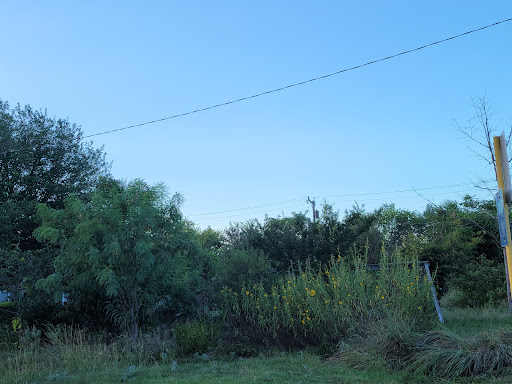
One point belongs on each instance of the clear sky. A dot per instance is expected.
(386, 127)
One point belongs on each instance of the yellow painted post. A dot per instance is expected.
(501, 185)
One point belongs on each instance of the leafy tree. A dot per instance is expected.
(42, 160)
(291, 240)
(128, 243)
(236, 268)
(396, 225)
(285, 240)
(455, 238)
(359, 232)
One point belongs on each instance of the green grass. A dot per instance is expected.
(470, 321)
(73, 357)
(295, 367)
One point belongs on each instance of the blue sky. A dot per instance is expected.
(386, 127)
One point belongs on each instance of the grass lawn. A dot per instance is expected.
(281, 368)
(467, 322)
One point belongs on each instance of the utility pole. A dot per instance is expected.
(312, 202)
(502, 168)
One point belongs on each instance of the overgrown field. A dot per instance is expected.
(67, 355)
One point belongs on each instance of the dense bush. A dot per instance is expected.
(319, 307)
(481, 283)
(239, 267)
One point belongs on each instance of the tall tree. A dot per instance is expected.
(127, 242)
(42, 160)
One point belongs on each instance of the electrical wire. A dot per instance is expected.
(253, 207)
(404, 190)
(249, 213)
(332, 201)
(299, 83)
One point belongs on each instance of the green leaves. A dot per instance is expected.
(108, 279)
(51, 285)
(122, 244)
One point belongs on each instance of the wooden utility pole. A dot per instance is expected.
(312, 202)
(501, 154)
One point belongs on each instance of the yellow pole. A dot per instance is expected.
(501, 185)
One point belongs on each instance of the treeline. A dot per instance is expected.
(123, 257)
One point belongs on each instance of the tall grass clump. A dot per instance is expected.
(440, 353)
(321, 306)
(448, 355)
(59, 352)
(196, 336)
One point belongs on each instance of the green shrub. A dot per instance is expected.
(319, 307)
(482, 283)
(239, 267)
(196, 336)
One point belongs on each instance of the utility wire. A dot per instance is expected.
(331, 196)
(300, 83)
(404, 190)
(244, 209)
(334, 201)
(301, 205)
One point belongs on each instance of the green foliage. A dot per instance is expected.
(196, 336)
(482, 282)
(319, 307)
(397, 224)
(42, 160)
(102, 363)
(457, 238)
(124, 244)
(289, 240)
(239, 267)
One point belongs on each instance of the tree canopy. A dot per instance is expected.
(125, 243)
(42, 160)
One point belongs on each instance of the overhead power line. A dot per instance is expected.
(404, 190)
(299, 83)
(334, 201)
(247, 208)
(236, 212)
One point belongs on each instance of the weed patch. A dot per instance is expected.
(320, 307)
